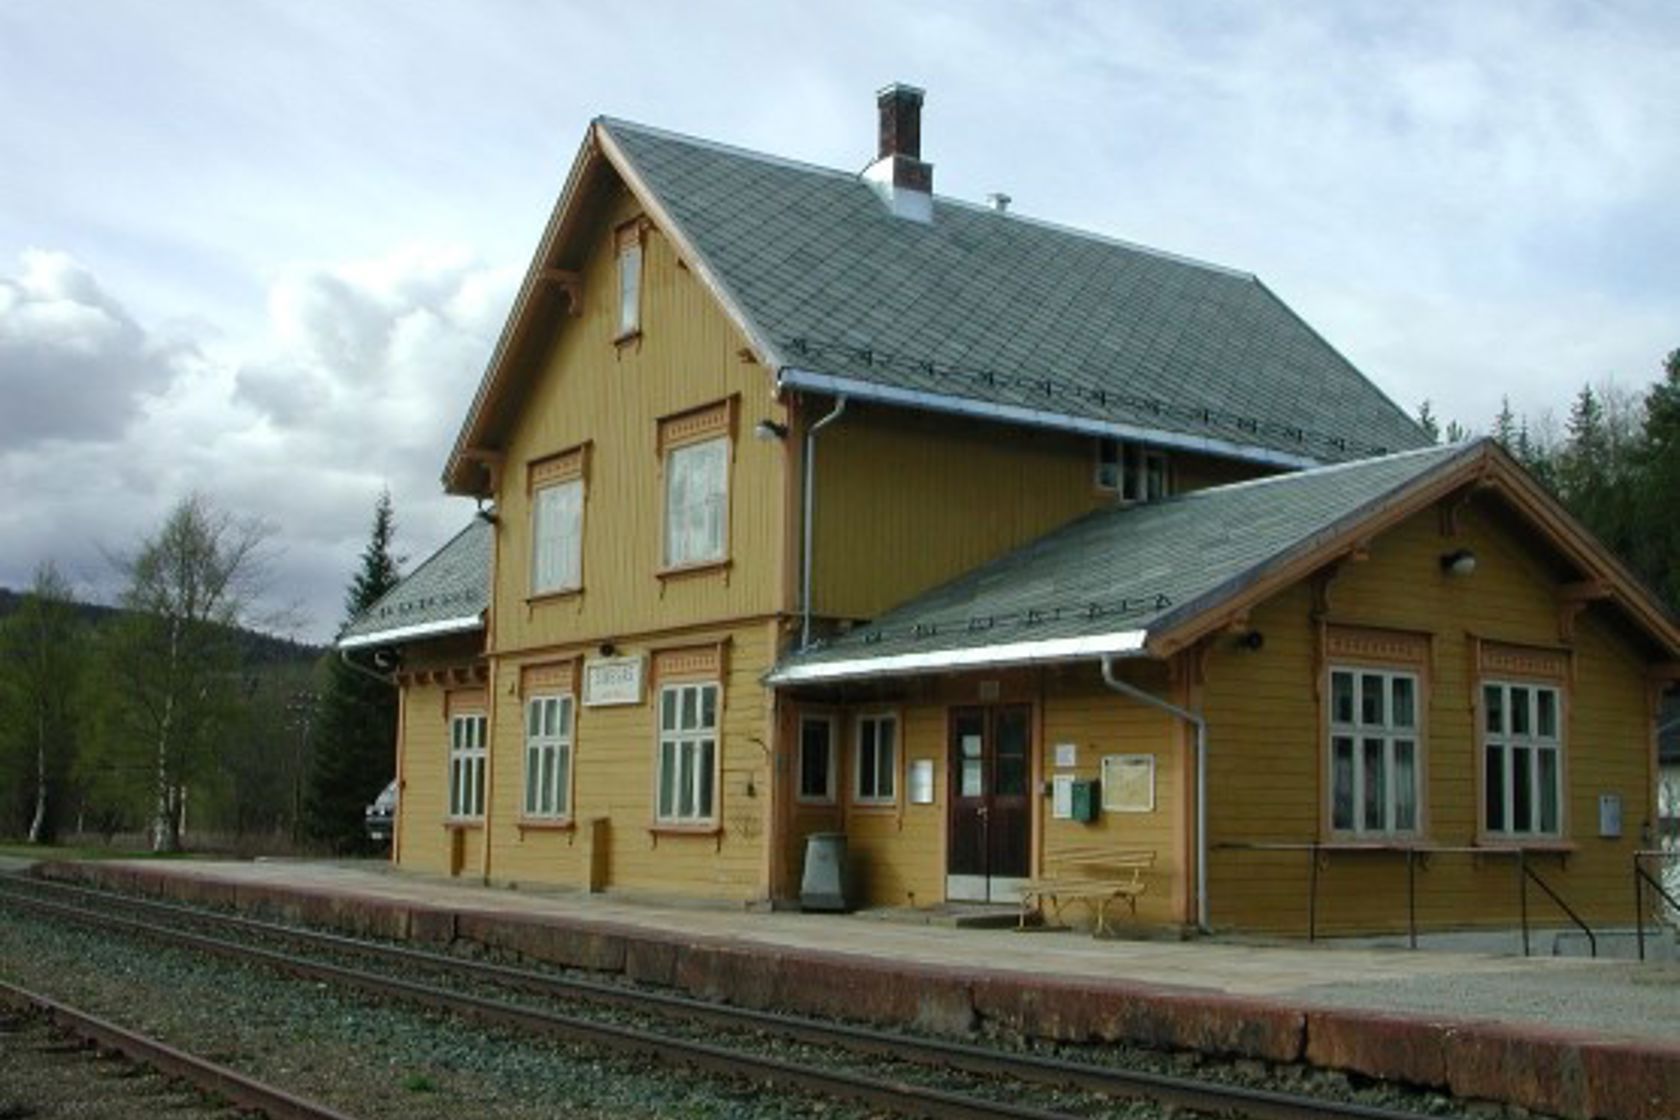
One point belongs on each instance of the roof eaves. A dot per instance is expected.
(1016, 414)
(1129, 643)
(435, 629)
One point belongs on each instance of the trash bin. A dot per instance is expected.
(826, 884)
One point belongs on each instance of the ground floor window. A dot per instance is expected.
(877, 760)
(1522, 759)
(466, 765)
(816, 759)
(548, 756)
(1374, 751)
(687, 752)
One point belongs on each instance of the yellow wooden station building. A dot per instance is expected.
(1028, 560)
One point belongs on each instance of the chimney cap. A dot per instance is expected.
(999, 201)
(900, 89)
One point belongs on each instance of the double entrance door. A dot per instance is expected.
(990, 819)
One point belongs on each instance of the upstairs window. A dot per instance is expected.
(1131, 471)
(628, 241)
(1522, 760)
(556, 487)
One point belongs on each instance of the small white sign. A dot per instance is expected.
(1061, 797)
(921, 781)
(1067, 754)
(612, 680)
(1610, 815)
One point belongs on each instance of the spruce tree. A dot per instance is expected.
(355, 733)
(1657, 462)
(1426, 420)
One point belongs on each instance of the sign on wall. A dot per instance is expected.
(612, 680)
(921, 781)
(1128, 783)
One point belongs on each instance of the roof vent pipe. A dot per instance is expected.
(1126, 688)
(999, 201)
(899, 174)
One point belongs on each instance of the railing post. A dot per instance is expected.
(1638, 907)
(1312, 893)
(1411, 898)
(1522, 894)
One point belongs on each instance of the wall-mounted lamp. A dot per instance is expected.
(485, 513)
(1459, 563)
(769, 429)
(1252, 641)
(608, 649)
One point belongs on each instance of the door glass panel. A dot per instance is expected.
(973, 778)
(814, 746)
(1010, 775)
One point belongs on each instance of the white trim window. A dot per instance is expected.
(629, 280)
(466, 765)
(1522, 759)
(697, 503)
(1133, 472)
(816, 759)
(557, 537)
(875, 771)
(548, 756)
(1375, 752)
(688, 720)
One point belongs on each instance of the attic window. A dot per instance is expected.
(628, 244)
(1131, 471)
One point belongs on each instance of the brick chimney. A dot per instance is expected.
(899, 176)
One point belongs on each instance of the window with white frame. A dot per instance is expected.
(1522, 759)
(875, 771)
(548, 756)
(1133, 472)
(1374, 752)
(557, 537)
(466, 765)
(816, 759)
(629, 280)
(688, 715)
(697, 503)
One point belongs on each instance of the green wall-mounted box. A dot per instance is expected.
(1085, 800)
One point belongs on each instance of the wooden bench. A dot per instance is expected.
(1094, 876)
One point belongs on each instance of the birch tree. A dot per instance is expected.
(41, 653)
(174, 660)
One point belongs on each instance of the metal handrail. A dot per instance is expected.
(1412, 851)
(1640, 878)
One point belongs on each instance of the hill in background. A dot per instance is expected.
(260, 649)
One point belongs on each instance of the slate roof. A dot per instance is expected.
(994, 308)
(447, 593)
(1118, 574)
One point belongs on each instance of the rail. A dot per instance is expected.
(1642, 879)
(1321, 850)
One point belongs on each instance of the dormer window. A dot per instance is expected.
(1130, 471)
(628, 241)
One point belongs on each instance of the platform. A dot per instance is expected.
(1567, 1036)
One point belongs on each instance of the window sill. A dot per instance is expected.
(671, 828)
(538, 597)
(699, 569)
(463, 824)
(874, 806)
(549, 824)
(817, 803)
(1518, 843)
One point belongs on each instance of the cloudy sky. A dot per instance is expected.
(262, 250)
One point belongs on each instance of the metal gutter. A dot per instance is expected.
(810, 472)
(418, 630)
(1196, 720)
(1015, 414)
(1122, 642)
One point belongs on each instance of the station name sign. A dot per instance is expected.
(612, 680)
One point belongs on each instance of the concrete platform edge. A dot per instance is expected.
(1566, 1073)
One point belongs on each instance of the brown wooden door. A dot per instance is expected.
(990, 817)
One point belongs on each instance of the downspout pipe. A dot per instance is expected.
(810, 470)
(1126, 688)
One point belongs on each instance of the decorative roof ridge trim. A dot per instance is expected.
(419, 630)
(791, 164)
(1017, 414)
(1129, 642)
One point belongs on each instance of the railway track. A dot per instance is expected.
(164, 921)
(220, 1082)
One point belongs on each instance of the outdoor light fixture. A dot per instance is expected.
(1459, 563)
(1252, 641)
(769, 429)
(608, 649)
